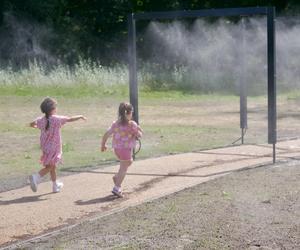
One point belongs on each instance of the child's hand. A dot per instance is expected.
(83, 118)
(33, 124)
(103, 148)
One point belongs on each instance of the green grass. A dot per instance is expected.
(103, 91)
(174, 121)
(81, 140)
(6, 126)
(74, 91)
(171, 139)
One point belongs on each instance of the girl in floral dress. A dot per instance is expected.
(50, 141)
(124, 132)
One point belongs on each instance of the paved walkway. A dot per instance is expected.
(24, 214)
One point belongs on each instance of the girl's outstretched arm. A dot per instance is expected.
(76, 118)
(33, 124)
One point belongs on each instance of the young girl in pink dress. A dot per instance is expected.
(50, 141)
(124, 132)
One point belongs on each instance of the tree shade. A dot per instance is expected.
(95, 28)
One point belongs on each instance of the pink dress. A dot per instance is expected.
(124, 136)
(50, 140)
(124, 139)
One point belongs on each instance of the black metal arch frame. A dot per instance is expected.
(268, 11)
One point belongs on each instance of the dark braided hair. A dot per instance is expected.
(46, 107)
(124, 109)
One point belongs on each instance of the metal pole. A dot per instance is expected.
(272, 126)
(243, 94)
(133, 86)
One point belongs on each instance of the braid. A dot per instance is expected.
(48, 121)
(122, 113)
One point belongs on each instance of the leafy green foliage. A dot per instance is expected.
(95, 28)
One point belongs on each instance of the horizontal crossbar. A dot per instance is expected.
(201, 13)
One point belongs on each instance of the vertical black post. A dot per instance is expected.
(243, 94)
(133, 87)
(272, 127)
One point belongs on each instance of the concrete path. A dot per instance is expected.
(24, 214)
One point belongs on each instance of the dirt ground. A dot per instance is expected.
(249, 209)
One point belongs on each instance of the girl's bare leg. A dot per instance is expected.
(53, 173)
(44, 171)
(119, 177)
(35, 179)
(57, 186)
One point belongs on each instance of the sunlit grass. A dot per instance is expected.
(92, 79)
(174, 121)
(84, 79)
(85, 72)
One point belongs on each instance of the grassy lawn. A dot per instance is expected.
(174, 122)
(167, 130)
